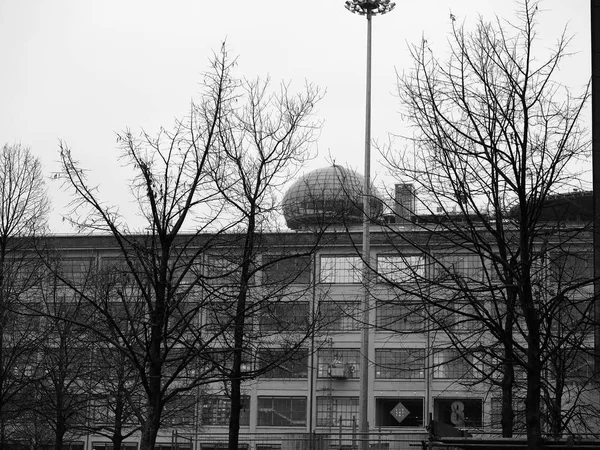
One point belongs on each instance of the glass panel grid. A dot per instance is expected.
(282, 411)
(399, 317)
(400, 268)
(350, 358)
(450, 364)
(468, 267)
(340, 316)
(216, 410)
(336, 411)
(405, 363)
(341, 269)
(284, 363)
(285, 316)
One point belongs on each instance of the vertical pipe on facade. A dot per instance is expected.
(311, 379)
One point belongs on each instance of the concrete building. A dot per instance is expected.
(416, 368)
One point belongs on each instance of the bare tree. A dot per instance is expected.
(23, 212)
(495, 136)
(116, 389)
(261, 146)
(170, 186)
(63, 375)
(201, 176)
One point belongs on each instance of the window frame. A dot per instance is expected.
(404, 268)
(340, 269)
(384, 370)
(296, 411)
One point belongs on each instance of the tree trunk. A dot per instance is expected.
(117, 436)
(240, 326)
(508, 377)
(533, 414)
(60, 432)
(151, 424)
(117, 440)
(150, 429)
(534, 370)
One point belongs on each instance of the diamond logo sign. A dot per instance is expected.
(400, 412)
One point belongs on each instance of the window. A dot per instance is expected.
(182, 319)
(105, 403)
(341, 269)
(400, 317)
(286, 269)
(222, 271)
(109, 446)
(467, 267)
(180, 446)
(216, 410)
(220, 361)
(282, 411)
(400, 268)
(65, 446)
(399, 412)
(115, 265)
(125, 315)
(572, 266)
(404, 363)
(282, 363)
(449, 363)
(180, 411)
(284, 316)
(581, 365)
(339, 316)
(459, 412)
(454, 317)
(222, 446)
(349, 359)
(221, 314)
(518, 409)
(337, 411)
(76, 270)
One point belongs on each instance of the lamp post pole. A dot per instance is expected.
(368, 8)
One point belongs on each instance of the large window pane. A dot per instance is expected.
(341, 269)
(404, 363)
(216, 410)
(282, 363)
(466, 267)
(282, 411)
(286, 269)
(459, 412)
(347, 359)
(399, 412)
(339, 316)
(284, 316)
(450, 363)
(335, 411)
(400, 268)
(399, 316)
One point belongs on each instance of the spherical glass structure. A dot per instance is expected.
(328, 196)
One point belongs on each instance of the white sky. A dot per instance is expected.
(81, 70)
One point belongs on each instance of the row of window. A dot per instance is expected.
(334, 411)
(398, 316)
(403, 363)
(277, 269)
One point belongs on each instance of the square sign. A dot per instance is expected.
(400, 412)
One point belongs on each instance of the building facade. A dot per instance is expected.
(427, 360)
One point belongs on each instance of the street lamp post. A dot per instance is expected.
(368, 8)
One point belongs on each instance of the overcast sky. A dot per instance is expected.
(81, 70)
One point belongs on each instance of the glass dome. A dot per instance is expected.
(327, 196)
